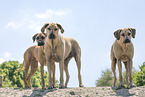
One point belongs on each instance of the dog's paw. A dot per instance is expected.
(43, 88)
(114, 88)
(50, 87)
(61, 87)
(132, 86)
(54, 86)
(81, 85)
(121, 87)
(28, 87)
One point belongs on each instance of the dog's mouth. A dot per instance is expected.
(40, 43)
(52, 36)
(126, 41)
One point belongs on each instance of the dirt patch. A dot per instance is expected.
(75, 92)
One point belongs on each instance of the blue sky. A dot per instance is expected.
(91, 23)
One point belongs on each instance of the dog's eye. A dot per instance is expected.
(48, 28)
(55, 29)
(42, 37)
(123, 34)
(128, 34)
(37, 38)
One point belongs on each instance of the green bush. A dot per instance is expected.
(139, 78)
(13, 78)
(106, 78)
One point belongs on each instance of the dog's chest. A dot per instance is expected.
(55, 57)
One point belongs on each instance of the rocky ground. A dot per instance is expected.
(74, 92)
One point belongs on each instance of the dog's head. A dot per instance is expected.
(40, 38)
(52, 30)
(124, 35)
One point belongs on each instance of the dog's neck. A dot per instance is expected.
(42, 47)
(124, 46)
(53, 43)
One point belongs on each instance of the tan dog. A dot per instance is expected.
(123, 50)
(60, 49)
(32, 56)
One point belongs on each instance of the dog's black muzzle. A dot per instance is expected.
(52, 35)
(127, 40)
(40, 43)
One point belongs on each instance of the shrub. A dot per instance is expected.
(12, 78)
(106, 78)
(139, 78)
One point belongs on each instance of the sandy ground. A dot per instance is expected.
(73, 92)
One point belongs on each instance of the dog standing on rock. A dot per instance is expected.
(60, 49)
(123, 50)
(32, 56)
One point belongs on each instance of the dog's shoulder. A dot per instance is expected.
(116, 43)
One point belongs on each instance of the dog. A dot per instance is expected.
(123, 50)
(32, 56)
(60, 49)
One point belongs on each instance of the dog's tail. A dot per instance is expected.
(21, 67)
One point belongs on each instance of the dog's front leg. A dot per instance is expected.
(61, 67)
(42, 76)
(127, 72)
(130, 74)
(120, 74)
(50, 72)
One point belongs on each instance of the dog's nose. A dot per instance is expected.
(40, 43)
(127, 40)
(52, 35)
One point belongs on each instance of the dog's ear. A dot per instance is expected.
(43, 28)
(34, 37)
(60, 27)
(117, 34)
(133, 31)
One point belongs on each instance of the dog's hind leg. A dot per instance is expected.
(34, 67)
(66, 61)
(78, 62)
(27, 65)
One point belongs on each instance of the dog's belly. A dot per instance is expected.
(124, 58)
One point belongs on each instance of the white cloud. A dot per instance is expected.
(13, 25)
(51, 13)
(17, 24)
(7, 54)
(2, 60)
(33, 20)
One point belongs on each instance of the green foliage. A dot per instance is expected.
(106, 78)
(139, 78)
(13, 78)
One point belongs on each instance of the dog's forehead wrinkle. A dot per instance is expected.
(52, 26)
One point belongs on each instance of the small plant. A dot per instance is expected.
(87, 96)
(103, 88)
(21, 89)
